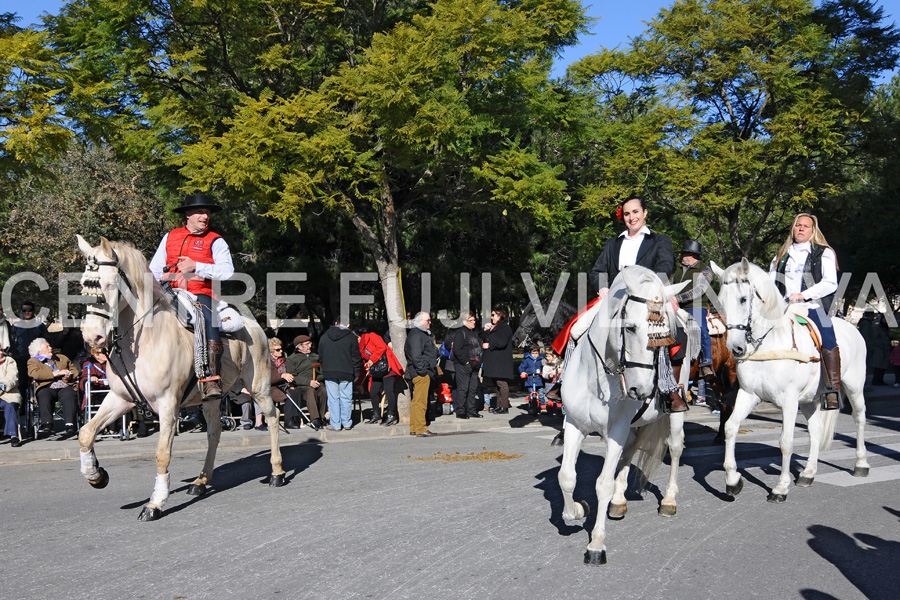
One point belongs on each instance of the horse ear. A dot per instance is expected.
(84, 246)
(631, 279)
(675, 288)
(106, 247)
(745, 266)
(716, 269)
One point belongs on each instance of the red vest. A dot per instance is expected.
(198, 247)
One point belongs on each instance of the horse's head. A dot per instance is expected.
(747, 296)
(645, 319)
(527, 323)
(100, 281)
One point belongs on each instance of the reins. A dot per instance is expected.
(747, 327)
(654, 315)
(115, 358)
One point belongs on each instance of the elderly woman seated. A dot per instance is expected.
(56, 380)
(10, 397)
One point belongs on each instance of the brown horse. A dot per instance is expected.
(725, 382)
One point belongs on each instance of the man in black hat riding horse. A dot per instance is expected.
(694, 300)
(190, 258)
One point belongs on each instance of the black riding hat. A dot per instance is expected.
(692, 247)
(198, 201)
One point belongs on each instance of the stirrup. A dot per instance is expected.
(210, 388)
(831, 399)
(667, 402)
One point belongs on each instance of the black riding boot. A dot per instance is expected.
(210, 386)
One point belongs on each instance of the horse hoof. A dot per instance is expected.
(776, 498)
(149, 514)
(102, 482)
(276, 480)
(196, 489)
(804, 481)
(667, 510)
(617, 511)
(558, 440)
(734, 490)
(595, 558)
(585, 507)
(861, 472)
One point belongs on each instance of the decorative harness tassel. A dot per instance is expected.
(659, 331)
(201, 358)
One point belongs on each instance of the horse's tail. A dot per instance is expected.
(651, 449)
(828, 421)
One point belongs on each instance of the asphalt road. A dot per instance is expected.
(404, 517)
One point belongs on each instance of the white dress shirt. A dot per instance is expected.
(630, 245)
(793, 273)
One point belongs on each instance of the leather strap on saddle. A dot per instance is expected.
(813, 334)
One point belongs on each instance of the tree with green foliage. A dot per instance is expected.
(32, 125)
(440, 113)
(733, 116)
(87, 192)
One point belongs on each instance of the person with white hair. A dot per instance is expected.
(421, 364)
(55, 379)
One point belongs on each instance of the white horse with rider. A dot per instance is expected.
(778, 361)
(613, 379)
(152, 364)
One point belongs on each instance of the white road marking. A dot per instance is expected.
(845, 479)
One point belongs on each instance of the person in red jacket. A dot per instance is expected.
(190, 258)
(372, 347)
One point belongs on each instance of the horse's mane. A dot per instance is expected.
(136, 267)
(772, 300)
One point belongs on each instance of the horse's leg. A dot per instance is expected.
(271, 413)
(211, 410)
(667, 507)
(618, 506)
(168, 413)
(854, 395)
(596, 549)
(743, 404)
(572, 511)
(814, 424)
(788, 420)
(112, 407)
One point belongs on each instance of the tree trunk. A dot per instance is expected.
(384, 249)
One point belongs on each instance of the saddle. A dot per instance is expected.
(801, 316)
(715, 324)
(186, 309)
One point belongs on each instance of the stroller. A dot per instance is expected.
(534, 401)
(445, 399)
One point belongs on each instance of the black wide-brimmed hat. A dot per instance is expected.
(692, 247)
(198, 201)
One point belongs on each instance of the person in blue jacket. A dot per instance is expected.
(530, 373)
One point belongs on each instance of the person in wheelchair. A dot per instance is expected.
(10, 398)
(94, 370)
(56, 379)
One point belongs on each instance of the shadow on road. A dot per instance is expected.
(867, 561)
(295, 459)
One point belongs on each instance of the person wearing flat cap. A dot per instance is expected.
(310, 385)
(190, 258)
(694, 300)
